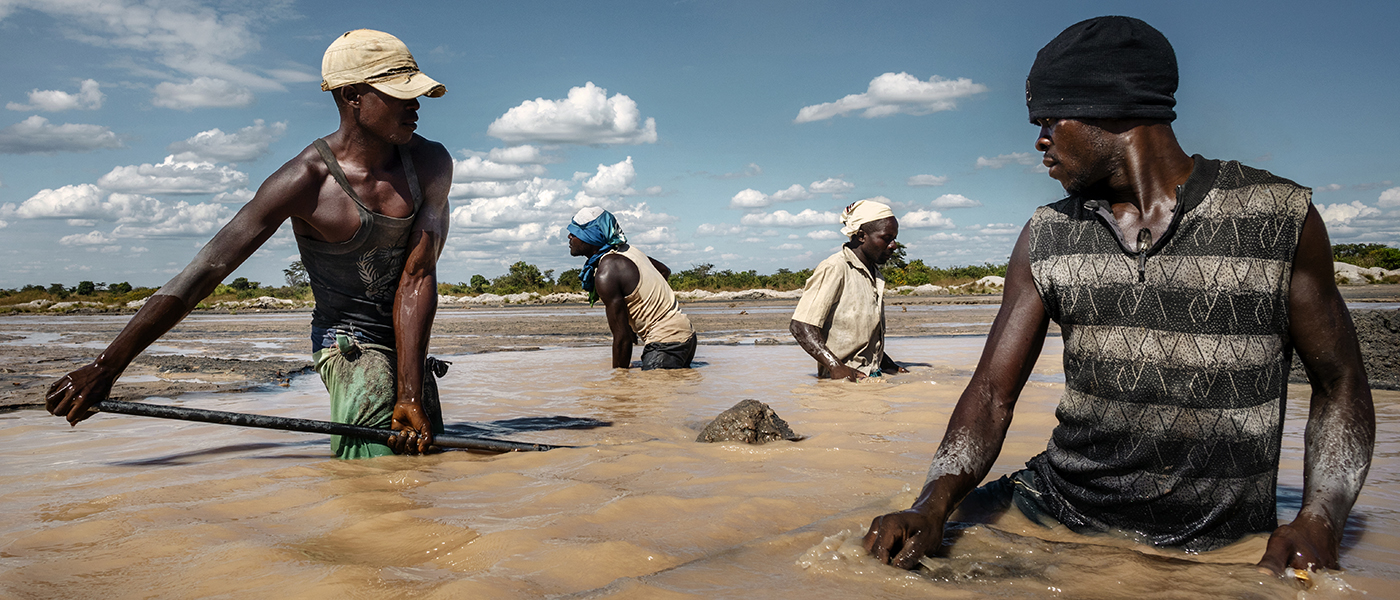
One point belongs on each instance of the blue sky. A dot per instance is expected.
(728, 133)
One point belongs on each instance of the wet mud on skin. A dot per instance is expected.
(121, 506)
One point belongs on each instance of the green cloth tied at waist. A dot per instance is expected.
(363, 386)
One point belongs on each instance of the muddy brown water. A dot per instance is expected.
(125, 507)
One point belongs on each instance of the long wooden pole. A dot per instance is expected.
(308, 426)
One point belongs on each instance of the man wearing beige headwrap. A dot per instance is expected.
(840, 319)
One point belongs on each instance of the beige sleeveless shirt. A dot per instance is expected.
(652, 308)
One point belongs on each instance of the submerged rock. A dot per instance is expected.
(750, 422)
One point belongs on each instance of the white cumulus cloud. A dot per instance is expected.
(831, 185)
(237, 196)
(36, 135)
(896, 93)
(1344, 214)
(1390, 198)
(173, 176)
(782, 218)
(516, 155)
(91, 238)
(719, 229)
(181, 219)
(954, 201)
(89, 97)
(539, 199)
(83, 201)
(1002, 160)
(925, 219)
(997, 229)
(202, 92)
(654, 235)
(825, 234)
(927, 180)
(214, 145)
(750, 198)
(587, 116)
(476, 168)
(612, 180)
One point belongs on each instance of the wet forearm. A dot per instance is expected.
(415, 305)
(970, 446)
(622, 350)
(157, 316)
(1339, 440)
(809, 337)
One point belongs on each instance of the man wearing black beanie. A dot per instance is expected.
(1182, 287)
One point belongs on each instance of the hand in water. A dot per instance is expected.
(900, 539)
(73, 394)
(415, 431)
(847, 373)
(1304, 545)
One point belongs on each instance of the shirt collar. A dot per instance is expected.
(856, 262)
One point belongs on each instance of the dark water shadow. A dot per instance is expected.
(523, 425)
(185, 458)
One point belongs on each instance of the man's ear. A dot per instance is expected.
(350, 94)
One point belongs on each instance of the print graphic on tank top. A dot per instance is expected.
(380, 269)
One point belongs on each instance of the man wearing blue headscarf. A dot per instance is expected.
(639, 303)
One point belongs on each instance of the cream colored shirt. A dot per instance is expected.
(847, 303)
(652, 308)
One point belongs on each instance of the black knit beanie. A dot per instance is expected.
(1105, 68)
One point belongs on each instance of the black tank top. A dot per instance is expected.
(354, 281)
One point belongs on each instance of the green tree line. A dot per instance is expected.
(525, 277)
(1367, 256)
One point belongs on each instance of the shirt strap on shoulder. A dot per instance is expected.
(336, 172)
(412, 175)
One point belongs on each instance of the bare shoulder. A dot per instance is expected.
(432, 156)
(297, 182)
(615, 260)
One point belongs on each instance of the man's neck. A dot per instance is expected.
(353, 144)
(864, 259)
(1151, 166)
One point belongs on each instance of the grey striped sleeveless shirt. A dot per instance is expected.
(1176, 360)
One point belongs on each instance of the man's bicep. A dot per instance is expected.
(1319, 322)
(1018, 333)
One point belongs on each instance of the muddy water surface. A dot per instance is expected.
(124, 507)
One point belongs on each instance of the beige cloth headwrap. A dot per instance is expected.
(861, 212)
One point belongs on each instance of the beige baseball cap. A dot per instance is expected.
(379, 59)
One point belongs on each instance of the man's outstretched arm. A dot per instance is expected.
(415, 302)
(1341, 427)
(276, 200)
(977, 426)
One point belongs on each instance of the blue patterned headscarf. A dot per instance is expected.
(598, 228)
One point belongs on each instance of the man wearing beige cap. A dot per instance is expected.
(368, 205)
(840, 319)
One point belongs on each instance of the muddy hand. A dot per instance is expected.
(1304, 545)
(415, 433)
(847, 373)
(900, 539)
(74, 394)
